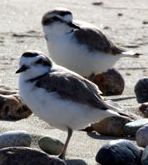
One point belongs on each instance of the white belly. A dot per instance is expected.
(58, 112)
(77, 58)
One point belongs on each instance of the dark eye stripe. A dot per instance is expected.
(43, 62)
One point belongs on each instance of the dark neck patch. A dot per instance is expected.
(36, 78)
(30, 54)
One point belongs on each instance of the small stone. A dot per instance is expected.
(26, 156)
(142, 136)
(145, 22)
(144, 159)
(110, 82)
(111, 126)
(141, 90)
(50, 145)
(120, 14)
(144, 109)
(119, 152)
(15, 138)
(98, 3)
(12, 108)
(132, 127)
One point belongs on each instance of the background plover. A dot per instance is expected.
(59, 96)
(79, 46)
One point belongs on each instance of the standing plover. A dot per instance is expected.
(79, 46)
(59, 96)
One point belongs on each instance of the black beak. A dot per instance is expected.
(22, 69)
(73, 25)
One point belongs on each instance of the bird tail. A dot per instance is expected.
(130, 54)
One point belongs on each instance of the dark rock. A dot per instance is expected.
(144, 159)
(51, 145)
(142, 136)
(141, 90)
(120, 14)
(98, 3)
(132, 127)
(15, 138)
(26, 156)
(12, 108)
(110, 82)
(112, 126)
(144, 109)
(119, 152)
(145, 22)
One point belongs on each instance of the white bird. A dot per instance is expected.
(79, 46)
(59, 96)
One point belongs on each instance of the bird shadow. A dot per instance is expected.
(75, 162)
(95, 135)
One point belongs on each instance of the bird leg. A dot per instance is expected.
(63, 152)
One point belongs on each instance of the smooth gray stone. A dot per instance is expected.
(144, 159)
(26, 156)
(50, 145)
(15, 138)
(141, 90)
(119, 152)
(132, 127)
(142, 136)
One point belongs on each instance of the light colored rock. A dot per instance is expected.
(132, 127)
(50, 145)
(112, 126)
(142, 136)
(26, 156)
(15, 138)
(12, 108)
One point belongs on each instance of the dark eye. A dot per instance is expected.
(43, 62)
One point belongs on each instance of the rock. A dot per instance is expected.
(98, 3)
(110, 82)
(144, 159)
(50, 145)
(15, 138)
(141, 90)
(119, 152)
(112, 126)
(6, 90)
(142, 136)
(132, 127)
(144, 109)
(26, 156)
(12, 108)
(145, 22)
(120, 14)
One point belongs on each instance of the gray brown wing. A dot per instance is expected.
(72, 87)
(95, 40)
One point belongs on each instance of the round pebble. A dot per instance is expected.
(142, 136)
(110, 82)
(26, 156)
(141, 90)
(15, 138)
(119, 152)
(144, 159)
(50, 145)
(132, 127)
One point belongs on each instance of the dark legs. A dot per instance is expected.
(62, 154)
